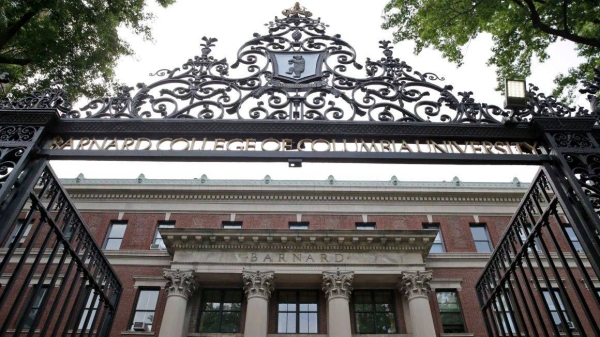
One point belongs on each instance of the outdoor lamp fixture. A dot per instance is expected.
(295, 162)
(516, 94)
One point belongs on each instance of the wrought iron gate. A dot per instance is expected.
(59, 283)
(540, 279)
(388, 113)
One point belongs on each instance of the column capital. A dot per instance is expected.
(338, 284)
(415, 283)
(258, 284)
(179, 282)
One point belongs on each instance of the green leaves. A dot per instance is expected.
(71, 42)
(521, 31)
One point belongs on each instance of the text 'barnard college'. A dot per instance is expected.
(307, 145)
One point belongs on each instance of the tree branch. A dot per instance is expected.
(17, 61)
(537, 23)
(13, 29)
(519, 3)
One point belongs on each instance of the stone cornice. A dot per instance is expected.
(248, 239)
(381, 196)
(329, 190)
(330, 181)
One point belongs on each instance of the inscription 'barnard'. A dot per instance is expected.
(296, 258)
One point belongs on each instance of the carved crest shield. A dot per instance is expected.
(296, 67)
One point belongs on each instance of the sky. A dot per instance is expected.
(177, 32)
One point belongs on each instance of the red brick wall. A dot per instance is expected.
(455, 233)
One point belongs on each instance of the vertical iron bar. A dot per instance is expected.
(529, 290)
(478, 291)
(573, 282)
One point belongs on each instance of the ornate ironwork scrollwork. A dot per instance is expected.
(9, 157)
(586, 168)
(325, 86)
(573, 140)
(17, 133)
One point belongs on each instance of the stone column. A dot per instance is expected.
(180, 285)
(258, 287)
(415, 285)
(338, 287)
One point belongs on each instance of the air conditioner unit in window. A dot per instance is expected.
(155, 246)
(570, 325)
(140, 326)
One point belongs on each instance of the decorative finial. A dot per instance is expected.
(296, 11)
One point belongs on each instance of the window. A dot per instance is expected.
(450, 313)
(297, 311)
(115, 236)
(573, 238)
(89, 310)
(145, 307)
(365, 226)
(524, 233)
(298, 224)
(37, 303)
(374, 311)
(220, 311)
(158, 240)
(68, 230)
(15, 232)
(438, 245)
(556, 311)
(504, 315)
(232, 224)
(481, 238)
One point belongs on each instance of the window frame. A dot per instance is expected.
(108, 233)
(45, 288)
(568, 228)
(562, 308)
(220, 311)
(135, 304)
(93, 308)
(436, 225)
(16, 229)
(536, 240)
(298, 311)
(461, 312)
(371, 224)
(304, 224)
(232, 224)
(499, 312)
(374, 311)
(157, 235)
(487, 233)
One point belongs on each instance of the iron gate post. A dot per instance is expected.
(576, 168)
(22, 133)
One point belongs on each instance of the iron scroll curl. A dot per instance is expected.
(388, 91)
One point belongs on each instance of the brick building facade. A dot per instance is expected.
(321, 258)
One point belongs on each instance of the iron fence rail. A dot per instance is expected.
(59, 281)
(537, 282)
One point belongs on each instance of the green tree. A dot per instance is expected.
(521, 30)
(71, 42)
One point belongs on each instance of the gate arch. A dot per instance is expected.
(298, 94)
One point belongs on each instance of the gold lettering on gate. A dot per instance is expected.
(358, 145)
